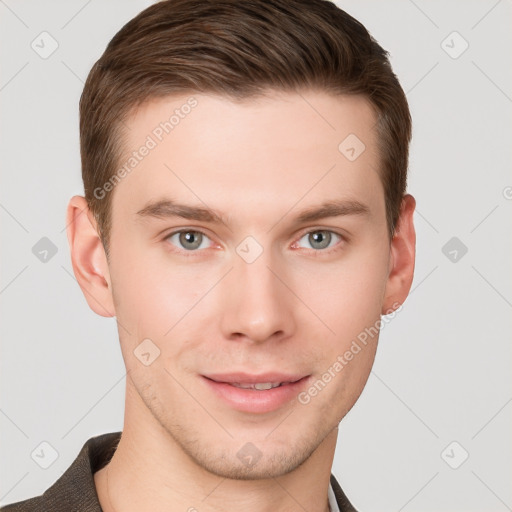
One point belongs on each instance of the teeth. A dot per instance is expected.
(261, 386)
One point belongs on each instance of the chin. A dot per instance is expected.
(245, 460)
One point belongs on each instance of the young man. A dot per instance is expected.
(246, 222)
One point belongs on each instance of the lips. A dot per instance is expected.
(260, 386)
(256, 393)
(244, 379)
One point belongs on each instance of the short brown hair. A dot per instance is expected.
(239, 49)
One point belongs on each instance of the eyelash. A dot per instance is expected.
(315, 252)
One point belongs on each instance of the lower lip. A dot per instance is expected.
(254, 400)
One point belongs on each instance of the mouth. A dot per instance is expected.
(256, 393)
(260, 386)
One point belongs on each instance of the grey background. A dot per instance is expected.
(443, 367)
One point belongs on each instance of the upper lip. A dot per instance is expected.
(247, 378)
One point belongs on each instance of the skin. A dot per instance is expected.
(295, 309)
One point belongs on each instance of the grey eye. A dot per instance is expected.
(189, 240)
(320, 239)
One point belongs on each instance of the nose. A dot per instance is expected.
(257, 304)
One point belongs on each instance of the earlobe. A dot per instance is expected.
(402, 258)
(88, 257)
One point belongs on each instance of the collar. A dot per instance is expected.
(75, 489)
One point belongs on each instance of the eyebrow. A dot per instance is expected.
(168, 208)
(333, 209)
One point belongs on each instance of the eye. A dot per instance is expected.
(189, 240)
(320, 239)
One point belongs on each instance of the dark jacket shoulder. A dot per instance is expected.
(75, 490)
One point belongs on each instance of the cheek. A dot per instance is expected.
(346, 295)
(150, 293)
(156, 306)
(160, 302)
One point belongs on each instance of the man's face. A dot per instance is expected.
(260, 292)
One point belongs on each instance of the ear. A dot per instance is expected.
(88, 257)
(402, 258)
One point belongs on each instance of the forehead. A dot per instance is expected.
(278, 149)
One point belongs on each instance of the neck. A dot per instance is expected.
(150, 471)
